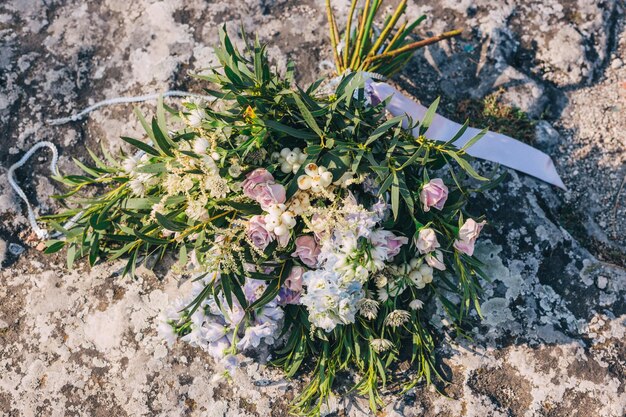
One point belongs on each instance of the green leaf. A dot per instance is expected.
(458, 134)
(383, 128)
(53, 246)
(161, 139)
(395, 196)
(90, 171)
(154, 168)
(428, 117)
(307, 116)
(144, 124)
(150, 239)
(290, 131)
(94, 250)
(141, 145)
(71, 256)
(474, 139)
(160, 112)
(466, 166)
(169, 224)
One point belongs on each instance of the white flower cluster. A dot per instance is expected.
(349, 256)
(279, 220)
(414, 273)
(197, 113)
(290, 160)
(316, 178)
(329, 300)
(139, 182)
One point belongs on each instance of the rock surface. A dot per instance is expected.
(553, 339)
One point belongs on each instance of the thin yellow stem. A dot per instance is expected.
(395, 37)
(333, 40)
(359, 38)
(346, 49)
(415, 45)
(394, 19)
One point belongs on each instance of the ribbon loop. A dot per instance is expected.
(493, 146)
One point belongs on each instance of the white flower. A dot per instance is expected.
(397, 318)
(130, 164)
(368, 308)
(279, 220)
(137, 186)
(234, 170)
(290, 160)
(141, 183)
(345, 180)
(200, 146)
(215, 332)
(196, 209)
(166, 331)
(316, 178)
(381, 345)
(254, 334)
(330, 301)
(196, 116)
(419, 273)
(299, 203)
(416, 304)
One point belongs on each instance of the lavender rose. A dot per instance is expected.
(257, 233)
(294, 280)
(435, 260)
(307, 250)
(260, 186)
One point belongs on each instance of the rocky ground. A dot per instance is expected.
(553, 341)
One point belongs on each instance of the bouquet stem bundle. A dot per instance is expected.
(364, 48)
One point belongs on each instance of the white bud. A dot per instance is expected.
(200, 145)
(326, 178)
(304, 182)
(281, 230)
(311, 169)
(286, 167)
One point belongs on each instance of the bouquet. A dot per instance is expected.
(311, 222)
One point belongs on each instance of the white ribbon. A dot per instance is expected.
(493, 146)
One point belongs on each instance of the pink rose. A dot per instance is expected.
(259, 185)
(257, 233)
(307, 250)
(388, 241)
(426, 240)
(434, 194)
(435, 260)
(294, 280)
(468, 233)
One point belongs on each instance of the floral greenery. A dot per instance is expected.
(303, 155)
